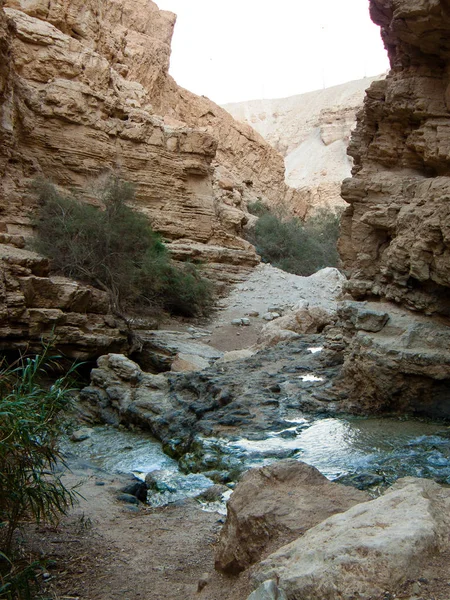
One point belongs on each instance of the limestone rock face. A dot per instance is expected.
(395, 234)
(367, 550)
(84, 80)
(274, 505)
(312, 132)
(394, 361)
(33, 304)
(253, 163)
(395, 243)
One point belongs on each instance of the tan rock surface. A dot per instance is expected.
(395, 242)
(276, 504)
(83, 103)
(395, 236)
(35, 307)
(371, 548)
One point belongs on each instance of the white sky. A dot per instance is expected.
(232, 50)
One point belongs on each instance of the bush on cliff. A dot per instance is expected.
(30, 425)
(295, 246)
(113, 247)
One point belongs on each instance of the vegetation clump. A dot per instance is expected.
(114, 247)
(299, 247)
(30, 426)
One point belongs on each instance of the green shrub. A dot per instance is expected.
(295, 246)
(113, 247)
(30, 425)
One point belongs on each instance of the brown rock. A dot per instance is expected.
(35, 308)
(395, 235)
(271, 506)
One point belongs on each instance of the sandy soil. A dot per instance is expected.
(108, 550)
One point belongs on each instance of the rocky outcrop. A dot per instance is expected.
(254, 394)
(274, 505)
(395, 242)
(312, 132)
(395, 235)
(249, 168)
(36, 307)
(90, 81)
(395, 361)
(368, 551)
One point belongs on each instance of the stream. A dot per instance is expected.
(369, 453)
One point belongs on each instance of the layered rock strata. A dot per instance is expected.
(36, 308)
(91, 79)
(80, 85)
(395, 241)
(395, 236)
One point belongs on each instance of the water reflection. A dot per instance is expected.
(353, 445)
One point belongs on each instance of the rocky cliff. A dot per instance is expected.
(395, 238)
(84, 88)
(312, 132)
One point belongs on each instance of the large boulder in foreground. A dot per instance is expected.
(368, 550)
(274, 505)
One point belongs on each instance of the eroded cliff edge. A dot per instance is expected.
(84, 87)
(395, 238)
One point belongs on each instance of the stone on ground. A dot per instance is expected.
(276, 504)
(371, 548)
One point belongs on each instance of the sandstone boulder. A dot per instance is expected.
(273, 505)
(366, 551)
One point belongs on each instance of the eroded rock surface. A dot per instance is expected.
(34, 304)
(251, 395)
(274, 505)
(394, 361)
(395, 236)
(366, 551)
(395, 242)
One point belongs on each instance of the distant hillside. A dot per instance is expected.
(312, 132)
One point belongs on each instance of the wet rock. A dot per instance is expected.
(127, 498)
(80, 435)
(274, 505)
(268, 591)
(367, 550)
(230, 398)
(136, 488)
(213, 494)
(362, 481)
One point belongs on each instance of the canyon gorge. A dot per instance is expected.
(85, 90)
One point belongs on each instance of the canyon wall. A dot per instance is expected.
(84, 89)
(396, 232)
(312, 132)
(395, 237)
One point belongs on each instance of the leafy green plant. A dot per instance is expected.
(30, 425)
(113, 247)
(295, 246)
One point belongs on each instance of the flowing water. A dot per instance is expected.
(361, 451)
